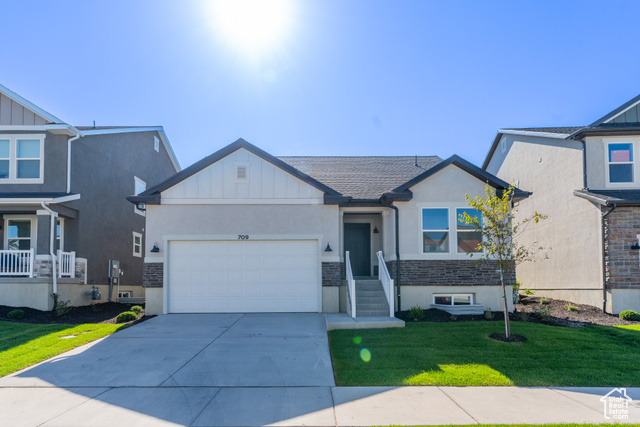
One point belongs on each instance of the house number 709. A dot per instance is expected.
(243, 237)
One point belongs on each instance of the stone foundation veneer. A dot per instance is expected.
(448, 273)
(331, 274)
(152, 274)
(622, 264)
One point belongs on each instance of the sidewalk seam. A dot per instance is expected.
(77, 406)
(204, 407)
(571, 398)
(458, 405)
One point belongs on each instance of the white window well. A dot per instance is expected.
(21, 159)
(137, 244)
(453, 299)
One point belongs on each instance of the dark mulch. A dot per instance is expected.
(512, 337)
(559, 314)
(99, 313)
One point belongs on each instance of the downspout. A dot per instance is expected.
(584, 163)
(52, 246)
(604, 263)
(69, 141)
(397, 244)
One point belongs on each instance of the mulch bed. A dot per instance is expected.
(559, 314)
(99, 313)
(512, 337)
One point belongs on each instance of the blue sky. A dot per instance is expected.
(350, 77)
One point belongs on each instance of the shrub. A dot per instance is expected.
(626, 315)
(528, 291)
(416, 313)
(524, 315)
(15, 314)
(62, 307)
(136, 309)
(488, 314)
(544, 300)
(126, 317)
(543, 313)
(573, 307)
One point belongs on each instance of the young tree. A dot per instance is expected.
(499, 235)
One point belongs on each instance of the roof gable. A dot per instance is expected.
(17, 111)
(628, 113)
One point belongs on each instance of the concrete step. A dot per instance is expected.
(371, 300)
(372, 307)
(368, 293)
(372, 313)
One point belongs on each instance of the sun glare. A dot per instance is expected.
(253, 26)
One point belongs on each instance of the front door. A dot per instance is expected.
(357, 240)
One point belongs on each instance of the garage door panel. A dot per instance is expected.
(243, 276)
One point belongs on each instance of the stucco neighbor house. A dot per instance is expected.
(63, 195)
(587, 180)
(244, 231)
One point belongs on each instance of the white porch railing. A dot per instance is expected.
(387, 282)
(351, 284)
(66, 264)
(16, 263)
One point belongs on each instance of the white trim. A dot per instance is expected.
(166, 201)
(61, 220)
(35, 201)
(33, 238)
(159, 129)
(621, 112)
(13, 158)
(170, 237)
(433, 298)
(635, 151)
(137, 254)
(29, 105)
(533, 133)
(137, 181)
(422, 230)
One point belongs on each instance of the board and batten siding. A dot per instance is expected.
(14, 114)
(264, 181)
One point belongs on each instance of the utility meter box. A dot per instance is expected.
(114, 269)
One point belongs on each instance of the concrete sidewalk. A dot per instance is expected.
(308, 406)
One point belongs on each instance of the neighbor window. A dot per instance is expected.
(21, 158)
(453, 299)
(468, 238)
(620, 159)
(137, 244)
(435, 230)
(18, 234)
(139, 187)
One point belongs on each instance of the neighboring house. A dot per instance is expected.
(244, 231)
(587, 180)
(79, 176)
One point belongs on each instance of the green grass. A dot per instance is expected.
(462, 354)
(24, 344)
(526, 425)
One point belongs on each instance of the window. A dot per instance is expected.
(620, 159)
(242, 172)
(503, 145)
(139, 187)
(137, 244)
(18, 232)
(453, 299)
(124, 294)
(468, 238)
(435, 230)
(156, 144)
(60, 234)
(21, 158)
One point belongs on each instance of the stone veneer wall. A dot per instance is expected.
(152, 274)
(331, 274)
(622, 264)
(448, 273)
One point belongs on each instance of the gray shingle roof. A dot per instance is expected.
(109, 127)
(611, 197)
(559, 130)
(362, 177)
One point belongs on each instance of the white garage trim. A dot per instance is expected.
(237, 238)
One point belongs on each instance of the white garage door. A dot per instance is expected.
(244, 276)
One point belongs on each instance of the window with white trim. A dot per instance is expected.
(453, 299)
(137, 244)
(60, 234)
(20, 232)
(124, 294)
(620, 162)
(435, 230)
(22, 159)
(156, 144)
(139, 187)
(469, 239)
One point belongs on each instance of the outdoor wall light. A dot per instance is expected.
(155, 249)
(375, 230)
(635, 246)
(328, 248)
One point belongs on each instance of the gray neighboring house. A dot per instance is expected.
(80, 177)
(587, 180)
(244, 231)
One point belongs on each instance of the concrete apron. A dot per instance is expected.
(258, 369)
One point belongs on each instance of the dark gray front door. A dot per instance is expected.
(357, 240)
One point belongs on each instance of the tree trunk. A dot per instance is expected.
(507, 326)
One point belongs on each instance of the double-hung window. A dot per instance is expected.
(469, 240)
(19, 232)
(21, 159)
(435, 230)
(620, 163)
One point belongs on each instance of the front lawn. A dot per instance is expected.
(462, 354)
(24, 344)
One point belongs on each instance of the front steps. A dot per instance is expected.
(371, 300)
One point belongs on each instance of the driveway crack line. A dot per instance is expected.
(205, 406)
(203, 349)
(458, 405)
(333, 404)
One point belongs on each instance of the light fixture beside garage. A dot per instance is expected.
(155, 249)
(328, 248)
